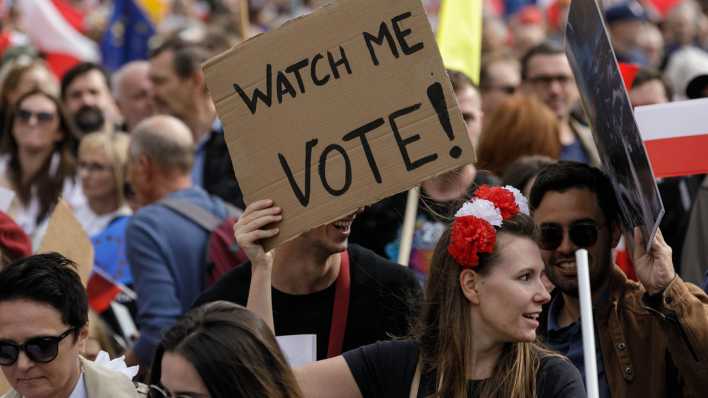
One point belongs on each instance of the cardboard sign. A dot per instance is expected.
(66, 236)
(675, 149)
(610, 115)
(338, 109)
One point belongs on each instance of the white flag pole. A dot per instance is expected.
(586, 321)
(404, 249)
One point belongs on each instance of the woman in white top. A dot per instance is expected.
(38, 162)
(102, 166)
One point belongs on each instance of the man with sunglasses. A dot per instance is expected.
(652, 336)
(43, 328)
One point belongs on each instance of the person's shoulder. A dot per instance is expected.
(558, 377)
(232, 286)
(397, 351)
(367, 265)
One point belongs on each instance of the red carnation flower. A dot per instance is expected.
(469, 237)
(502, 198)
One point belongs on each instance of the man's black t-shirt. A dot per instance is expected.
(386, 369)
(384, 298)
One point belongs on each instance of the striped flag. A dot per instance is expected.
(53, 26)
(675, 136)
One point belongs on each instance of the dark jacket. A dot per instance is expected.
(219, 178)
(652, 346)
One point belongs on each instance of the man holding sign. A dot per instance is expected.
(653, 336)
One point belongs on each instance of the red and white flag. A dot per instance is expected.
(53, 27)
(675, 136)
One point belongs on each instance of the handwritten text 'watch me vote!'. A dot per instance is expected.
(307, 74)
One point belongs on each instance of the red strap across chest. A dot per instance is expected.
(340, 309)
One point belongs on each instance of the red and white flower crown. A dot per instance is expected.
(473, 230)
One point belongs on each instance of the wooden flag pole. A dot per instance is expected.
(245, 20)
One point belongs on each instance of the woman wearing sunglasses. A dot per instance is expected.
(38, 161)
(43, 327)
(476, 334)
(221, 350)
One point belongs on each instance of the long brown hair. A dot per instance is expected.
(49, 185)
(444, 329)
(521, 126)
(233, 350)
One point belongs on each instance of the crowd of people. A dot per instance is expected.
(487, 305)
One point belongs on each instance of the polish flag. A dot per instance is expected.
(102, 290)
(54, 27)
(675, 136)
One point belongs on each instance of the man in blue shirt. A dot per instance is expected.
(166, 251)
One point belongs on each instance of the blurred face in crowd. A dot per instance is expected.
(625, 34)
(503, 80)
(89, 102)
(649, 93)
(36, 124)
(172, 93)
(576, 210)
(470, 106)
(515, 284)
(96, 171)
(22, 320)
(651, 43)
(136, 95)
(551, 80)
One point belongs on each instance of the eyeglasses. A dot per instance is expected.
(40, 349)
(546, 80)
(158, 392)
(93, 167)
(582, 233)
(24, 116)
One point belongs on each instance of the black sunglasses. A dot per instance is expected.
(583, 234)
(42, 117)
(40, 349)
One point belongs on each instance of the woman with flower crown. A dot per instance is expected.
(476, 335)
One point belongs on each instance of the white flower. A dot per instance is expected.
(116, 365)
(520, 199)
(481, 208)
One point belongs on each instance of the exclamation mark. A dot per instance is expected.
(437, 98)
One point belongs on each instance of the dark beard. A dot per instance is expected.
(89, 119)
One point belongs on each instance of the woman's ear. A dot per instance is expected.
(469, 283)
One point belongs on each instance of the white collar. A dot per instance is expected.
(80, 388)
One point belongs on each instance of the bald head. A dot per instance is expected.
(166, 141)
(133, 93)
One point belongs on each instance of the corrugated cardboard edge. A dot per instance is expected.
(66, 236)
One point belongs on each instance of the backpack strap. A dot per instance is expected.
(196, 214)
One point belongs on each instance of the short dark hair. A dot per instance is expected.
(188, 56)
(547, 47)
(564, 175)
(645, 75)
(80, 70)
(49, 279)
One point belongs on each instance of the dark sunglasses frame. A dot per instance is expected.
(582, 234)
(50, 342)
(42, 117)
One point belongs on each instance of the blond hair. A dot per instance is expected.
(115, 147)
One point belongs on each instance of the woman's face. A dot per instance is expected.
(511, 295)
(36, 124)
(179, 378)
(96, 172)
